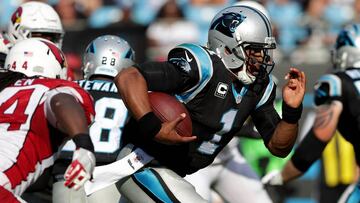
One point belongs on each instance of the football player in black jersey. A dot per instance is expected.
(220, 86)
(104, 57)
(337, 100)
(230, 170)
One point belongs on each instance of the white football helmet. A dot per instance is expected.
(107, 55)
(36, 57)
(5, 46)
(236, 29)
(347, 48)
(36, 19)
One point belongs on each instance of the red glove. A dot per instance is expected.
(81, 168)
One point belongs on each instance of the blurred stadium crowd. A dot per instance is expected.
(305, 31)
(301, 26)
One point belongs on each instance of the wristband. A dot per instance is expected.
(83, 140)
(149, 125)
(291, 115)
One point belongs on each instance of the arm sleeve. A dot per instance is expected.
(266, 118)
(249, 130)
(308, 151)
(327, 89)
(176, 75)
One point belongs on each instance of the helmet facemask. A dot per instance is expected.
(249, 61)
(258, 58)
(57, 38)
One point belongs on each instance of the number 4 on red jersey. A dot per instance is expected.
(13, 109)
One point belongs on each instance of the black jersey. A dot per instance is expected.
(344, 87)
(106, 129)
(218, 106)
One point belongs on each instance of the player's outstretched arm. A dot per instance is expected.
(311, 147)
(71, 119)
(285, 134)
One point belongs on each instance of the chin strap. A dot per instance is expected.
(273, 178)
(244, 76)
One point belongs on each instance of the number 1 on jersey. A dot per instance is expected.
(209, 147)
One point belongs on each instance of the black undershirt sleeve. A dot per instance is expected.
(309, 150)
(266, 118)
(163, 76)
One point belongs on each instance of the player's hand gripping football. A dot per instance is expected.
(81, 168)
(293, 92)
(168, 135)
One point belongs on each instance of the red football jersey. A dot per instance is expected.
(28, 140)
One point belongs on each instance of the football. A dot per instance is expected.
(167, 108)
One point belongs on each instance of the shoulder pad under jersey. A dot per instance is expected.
(327, 88)
(267, 93)
(195, 61)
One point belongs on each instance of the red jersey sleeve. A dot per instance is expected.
(81, 95)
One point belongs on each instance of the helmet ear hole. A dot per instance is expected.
(227, 50)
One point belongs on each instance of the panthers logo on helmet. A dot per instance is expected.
(130, 54)
(344, 39)
(16, 17)
(227, 23)
(91, 49)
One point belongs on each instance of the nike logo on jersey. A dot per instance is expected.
(188, 59)
(181, 63)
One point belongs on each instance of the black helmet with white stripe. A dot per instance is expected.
(236, 32)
